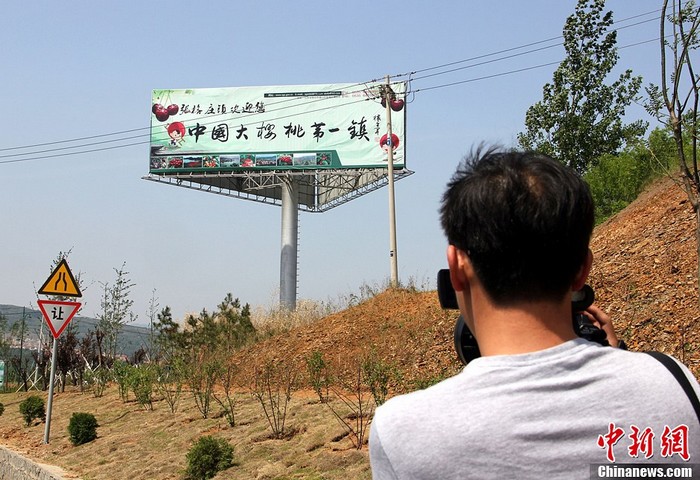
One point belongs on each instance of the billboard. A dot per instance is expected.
(301, 127)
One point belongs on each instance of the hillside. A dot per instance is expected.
(644, 274)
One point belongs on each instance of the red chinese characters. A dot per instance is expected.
(673, 441)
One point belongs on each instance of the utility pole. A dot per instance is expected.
(22, 373)
(393, 253)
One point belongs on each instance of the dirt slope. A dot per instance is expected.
(644, 274)
(405, 328)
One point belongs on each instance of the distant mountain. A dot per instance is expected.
(131, 338)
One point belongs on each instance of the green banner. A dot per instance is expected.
(277, 127)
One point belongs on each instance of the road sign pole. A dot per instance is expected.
(54, 356)
(57, 314)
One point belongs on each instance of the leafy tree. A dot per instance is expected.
(168, 339)
(319, 374)
(122, 373)
(168, 349)
(618, 179)
(579, 118)
(201, 363)
(206, 340)
(169, 380)
(143, 378)
(116, 310)
(234, 322)
(675, 102)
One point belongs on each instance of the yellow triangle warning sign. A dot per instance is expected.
(61, 282)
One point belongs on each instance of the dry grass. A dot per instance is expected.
(644, 275)
(276, 320)
(137, 444)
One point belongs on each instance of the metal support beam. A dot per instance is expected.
(288, 255)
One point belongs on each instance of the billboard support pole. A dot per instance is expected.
(288, 255)
(393, 253)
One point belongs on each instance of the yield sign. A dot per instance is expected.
(58, 314)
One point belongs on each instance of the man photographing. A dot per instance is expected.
(540, 402)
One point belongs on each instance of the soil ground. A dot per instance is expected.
(644, 275)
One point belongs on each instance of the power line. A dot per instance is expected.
(11, 158)
(520, 47)
(510, 72)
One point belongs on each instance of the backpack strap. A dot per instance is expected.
(677, 372)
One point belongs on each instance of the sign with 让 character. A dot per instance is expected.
(58, 314)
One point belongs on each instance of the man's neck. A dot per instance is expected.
(522, 328)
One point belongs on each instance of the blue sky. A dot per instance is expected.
(84, 68)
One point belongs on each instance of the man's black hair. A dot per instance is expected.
(524, 219)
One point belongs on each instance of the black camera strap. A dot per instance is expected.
(677, 372)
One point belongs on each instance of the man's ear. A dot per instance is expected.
(582, 275)
(456, 260)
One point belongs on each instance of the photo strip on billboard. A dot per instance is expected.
(334, 126)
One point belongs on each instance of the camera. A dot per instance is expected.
(465, 344)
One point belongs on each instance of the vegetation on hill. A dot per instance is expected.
(643, 275)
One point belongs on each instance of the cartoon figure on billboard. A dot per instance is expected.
(384, 142)
(176, 132)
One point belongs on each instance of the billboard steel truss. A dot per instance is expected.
(319, 190)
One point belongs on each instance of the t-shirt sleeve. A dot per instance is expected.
(379, 461)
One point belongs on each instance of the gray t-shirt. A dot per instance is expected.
(548, 414)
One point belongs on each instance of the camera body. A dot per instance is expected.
(465, 343)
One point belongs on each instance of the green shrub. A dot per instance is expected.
(377, 375)
(97, 380)
(32, 408)
(2, 408)
(319, 374)
(207, 457)
(142, 378)
(122, 372)
(82, 428)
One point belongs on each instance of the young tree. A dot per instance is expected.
(152, 317)
(208, 339)
(116, 310)
(234, 323)
(68, 355)
(89, 356)
(20, 364)
(579, 118)
(5, 338)
(169, 341)
(675, 102)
